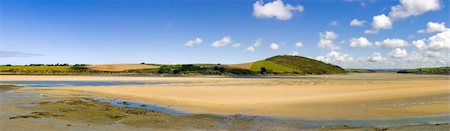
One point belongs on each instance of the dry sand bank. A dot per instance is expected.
(339, 96)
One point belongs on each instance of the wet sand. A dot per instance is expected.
(353, 96)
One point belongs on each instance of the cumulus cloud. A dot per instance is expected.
(440, 41)
(334, 56)
(299, 44)
(434, 27)
(436, 43)
(398, 53)
(356, 22)
(408, 8)
(360, 42)
(379, 22)
(376, 57)
(392, 43)
(405, 9)
(236, 45)
(196, 41)
(276, 9)
(327, 40)
(403, 59)
(274, 46)
(419, 44)
(223, 42)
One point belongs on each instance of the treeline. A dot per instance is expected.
(203, 70)
(436, 70)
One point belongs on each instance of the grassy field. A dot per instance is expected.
(41, 69)
(256, 66)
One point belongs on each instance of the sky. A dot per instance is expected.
(373, 34)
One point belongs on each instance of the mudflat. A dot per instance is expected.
(351, 96)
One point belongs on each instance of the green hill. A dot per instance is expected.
(296, 65)
(435, 70)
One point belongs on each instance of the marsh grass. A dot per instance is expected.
(103, 113)
(9, 87)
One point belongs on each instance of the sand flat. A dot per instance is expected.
(407, 96)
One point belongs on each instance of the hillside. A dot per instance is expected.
(435, 70)
(274, 65)
(296, 65)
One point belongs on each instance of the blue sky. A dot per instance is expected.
(104, 31)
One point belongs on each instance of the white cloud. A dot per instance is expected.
(392, 43)
(436, 43)
(326, 40)
(274, 46)
(250, 49)
(356, 22)
(408, 8)
(299, 44)
(223, 42)
(419, 44)
(376, 57)
(334, 23)
(295, 53)
(193, 42)
(379, 22)
(236, 45)
(440, 41)
(276, 9)
(360, 42)
(398, 53)
(334, 56)
(405, 9)
(435, 27)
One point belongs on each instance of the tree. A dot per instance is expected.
(263, 70)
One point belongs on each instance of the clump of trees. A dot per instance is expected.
(204, 70)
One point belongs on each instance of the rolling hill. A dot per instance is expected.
(296, 65)
(282, 64)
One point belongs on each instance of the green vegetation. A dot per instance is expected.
(436, 70)
(103, 113)
(360, 71)
(295, 65)
(43, 69)
(274, 65)
(9, 87)
(203, 70)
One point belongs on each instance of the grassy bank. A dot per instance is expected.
(436, 70)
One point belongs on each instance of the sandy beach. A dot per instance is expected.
(352, 96)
